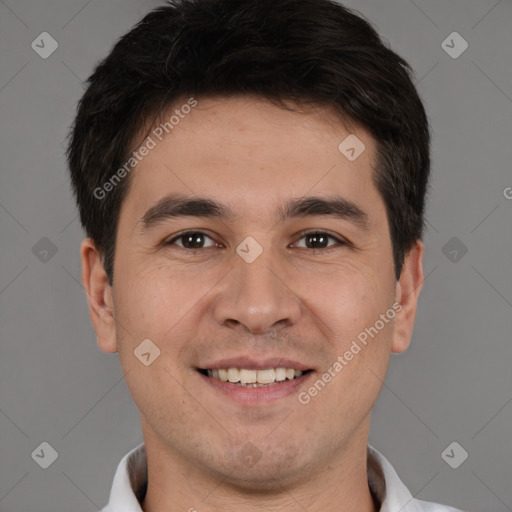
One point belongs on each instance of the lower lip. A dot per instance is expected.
(257, 395)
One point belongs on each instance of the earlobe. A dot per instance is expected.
(99, 296)
(408, 288)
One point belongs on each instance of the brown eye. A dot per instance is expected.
(191, 240)
(319, 240)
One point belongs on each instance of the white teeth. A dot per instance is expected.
(254, 378)
(248, 376)
(280, 374)
(266, 376)
(233, 375)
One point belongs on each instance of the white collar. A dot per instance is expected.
(130, 482)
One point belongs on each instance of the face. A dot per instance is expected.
(292, 274)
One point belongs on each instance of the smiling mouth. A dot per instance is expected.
(253, 378)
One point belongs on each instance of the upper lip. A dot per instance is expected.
(250, 363)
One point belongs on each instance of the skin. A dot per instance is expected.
(306, 303)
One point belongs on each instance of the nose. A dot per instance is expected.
(257, 296)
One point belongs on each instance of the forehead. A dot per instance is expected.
(245, 152)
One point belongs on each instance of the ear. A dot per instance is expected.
(408, 288)
(99, 296)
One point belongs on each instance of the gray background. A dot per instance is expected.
(453, 384)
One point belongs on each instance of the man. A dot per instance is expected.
(251, 177)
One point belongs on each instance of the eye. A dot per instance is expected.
(320, 239)
(191, 240)
(195, 240)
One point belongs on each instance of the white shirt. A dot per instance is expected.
(130, 482)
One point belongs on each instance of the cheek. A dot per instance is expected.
(348, 298)
(360, 344)
(153, 300)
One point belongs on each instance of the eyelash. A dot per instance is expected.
(339, 242)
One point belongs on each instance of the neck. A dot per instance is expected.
(340, 484)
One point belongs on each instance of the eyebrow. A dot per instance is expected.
(178, 205)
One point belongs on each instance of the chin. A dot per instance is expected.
(264, 470)
(262, 480)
